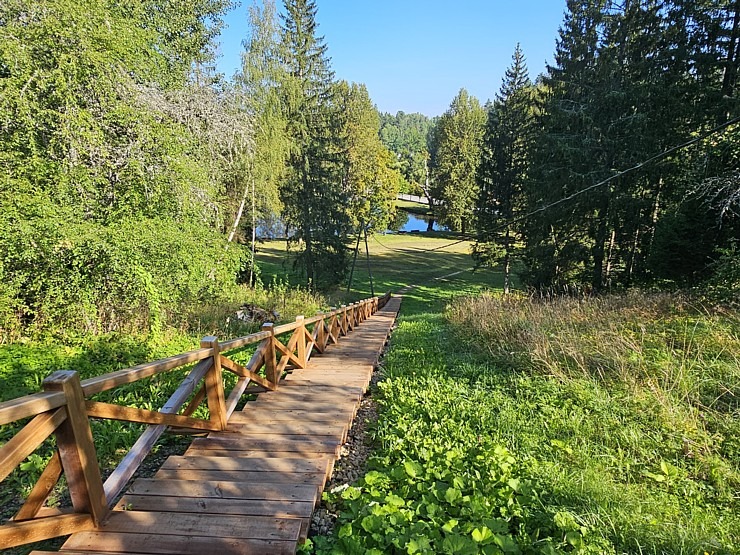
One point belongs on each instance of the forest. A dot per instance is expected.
(571, 178)
(134, 176)
(564, 377)
(120, 141)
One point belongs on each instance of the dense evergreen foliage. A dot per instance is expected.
(504, 167)
(630, 81)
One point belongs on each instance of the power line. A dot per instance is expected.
(606, 181)
(642, 164)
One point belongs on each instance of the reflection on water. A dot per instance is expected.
(405, 222)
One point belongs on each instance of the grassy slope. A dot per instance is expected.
(598, 465)
(396, 260)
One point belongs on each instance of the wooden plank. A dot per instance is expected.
(157, 544)
(315, 478)
(255, 465)
(215, 385)
(29, 531)
(244, 341)
(130, 414)
(309, 398)
(219, 526)
(127, 467)
(195, 401)
(76, 448)
(301, 342)
(30, 405)
(224, 490)
(136, 373)
(326, 435)
(278, 508)
(296, 427)
(287, 354)
(253, 453)
(27, 440)
(291, 404)
(246, 373)
(40, 492)
(269, 444)
(232, 401)
(266, 416)
(270, 355)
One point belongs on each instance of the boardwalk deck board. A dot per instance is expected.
(251, 488)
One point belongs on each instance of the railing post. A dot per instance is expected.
(270, 354)
(343, 321)
(301, 331)
(76, 448)
(215, 385)
(320, 334)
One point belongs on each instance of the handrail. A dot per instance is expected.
(63, 410)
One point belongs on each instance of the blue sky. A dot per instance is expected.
(415, 55)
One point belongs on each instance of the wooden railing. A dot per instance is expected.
(62, 409)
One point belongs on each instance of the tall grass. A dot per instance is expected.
(626, 409)
(678, 350)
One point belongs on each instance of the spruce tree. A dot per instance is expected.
(312, 194)
(503, 169)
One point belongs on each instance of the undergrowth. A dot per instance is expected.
(25, 364)
(510, 426)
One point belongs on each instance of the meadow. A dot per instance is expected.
(514, 425)
(506, 424)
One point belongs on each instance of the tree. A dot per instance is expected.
(458, 137)
(504, 167)
(104, 157)
(259, 84)
(312, 194)
(368, 176)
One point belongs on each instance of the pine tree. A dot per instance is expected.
(313, 197)
(504, 165)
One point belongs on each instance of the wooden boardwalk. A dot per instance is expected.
(253, 487)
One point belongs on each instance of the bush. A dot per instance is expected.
(61, 273)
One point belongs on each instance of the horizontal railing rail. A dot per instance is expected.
(63, 410)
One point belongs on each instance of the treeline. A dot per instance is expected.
(132, 175)
(631, 79)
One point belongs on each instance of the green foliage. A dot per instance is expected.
(368, 171)
(622, 408)
(83, 277)
(407, 137)
(458, 137)
(629, 81)
(439, 480)
(724, 285)
(315, 201)
(503, 171)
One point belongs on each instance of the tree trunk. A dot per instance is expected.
(599, 248)
(507, 262)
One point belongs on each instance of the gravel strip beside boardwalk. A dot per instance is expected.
(251, 488)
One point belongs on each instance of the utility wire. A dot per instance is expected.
(634, 168)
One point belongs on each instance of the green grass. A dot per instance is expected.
(421, 209)
(605, 426)
(396, 261)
